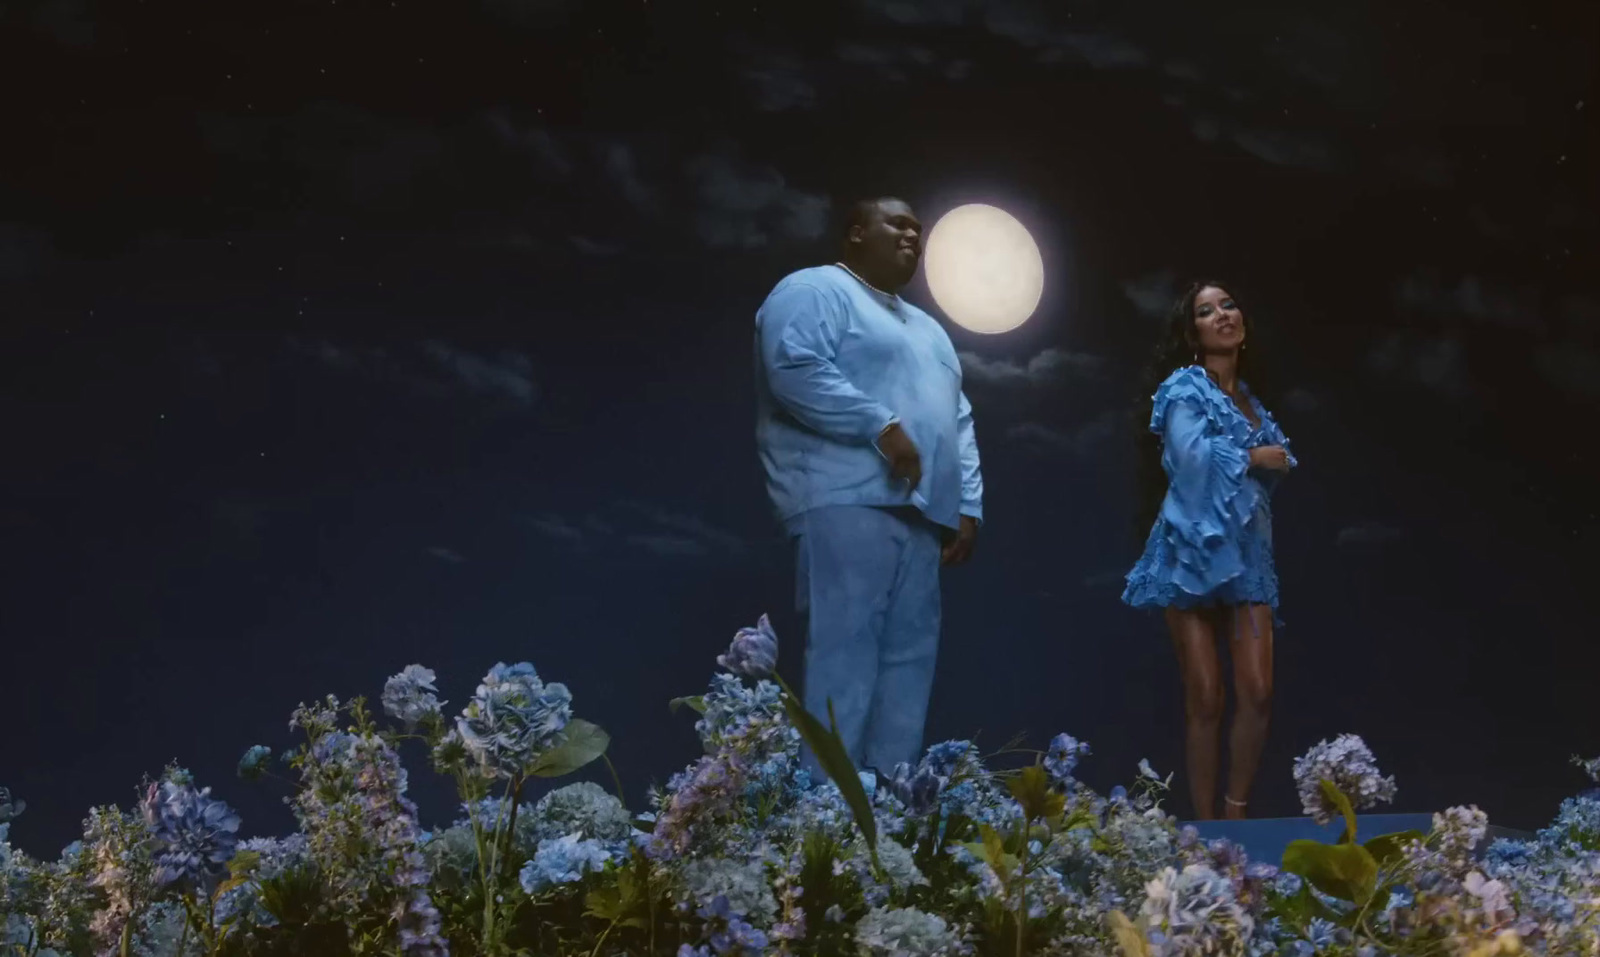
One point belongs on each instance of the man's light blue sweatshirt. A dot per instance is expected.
(836, 362)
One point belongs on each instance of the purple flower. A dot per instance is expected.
(1348, 764)
(731, 935)
(918, 790)
(194, 834)
(754, 651)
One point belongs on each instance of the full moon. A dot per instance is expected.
(983, 268)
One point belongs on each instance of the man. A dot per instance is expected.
(872, 465)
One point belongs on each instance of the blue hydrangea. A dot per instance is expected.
(564, 860)
(906, 932)
(584, 808)
(194, 834)
(10, 807)
(1062, 757)
(512, 719)
(410, 696)
(1194, 912)
(254, 762)
(750, 720)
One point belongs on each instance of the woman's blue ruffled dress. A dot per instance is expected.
(1211, 544)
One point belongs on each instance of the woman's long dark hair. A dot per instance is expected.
(1177, 348)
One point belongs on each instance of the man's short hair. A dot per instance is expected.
(859, 213)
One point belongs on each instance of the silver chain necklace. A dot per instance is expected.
(863, 282)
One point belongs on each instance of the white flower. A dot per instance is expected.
(1194, 912)
(906, 932)
(410, 696)
(1492, 895)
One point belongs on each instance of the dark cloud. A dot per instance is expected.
(550, 159)
(1036, 26)
(623, 171)
(1437, 363)
(68, 22)
(1572, 369)
(432, 367)
(654, 529)
(1080, 441)
(691, 526)
(446, 555)
(668, 545)
(921, 12)
(554, 526)
(594, 247)
(1302, 401)
(505, 374)
(351, 156)
(779, 82)
(744, 205)
(239, 520)
(1425, 165)
(1305, 149)
(1470, 297)
(535, 13)
(1369, 533)
(1110, 578)
(1048, 367)
(1154, 293)
(23, 252)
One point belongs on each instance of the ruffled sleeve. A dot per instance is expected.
(1210, 497)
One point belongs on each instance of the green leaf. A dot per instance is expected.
(695, 702)
(829, 748)
(614, 902)
(1299, 908)
(1031, 789)
(991, 849)
(1387, 849)
(241, 868)
(1345, 871)
(1337, 798)
(1129, 940)
(243, 862)
(585, 742)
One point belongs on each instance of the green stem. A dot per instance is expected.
(599, 943)
(616, 778)
(1022, 884)
(511, 826)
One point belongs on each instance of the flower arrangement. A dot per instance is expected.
(741, 853)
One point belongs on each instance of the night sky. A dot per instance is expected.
(345, 335)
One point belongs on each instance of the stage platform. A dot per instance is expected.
(1265, 838)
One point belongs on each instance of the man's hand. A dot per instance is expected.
(959, 548)
(905, 462)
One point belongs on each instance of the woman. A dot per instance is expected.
(1208, 559)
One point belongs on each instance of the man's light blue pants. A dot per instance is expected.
(867, 586)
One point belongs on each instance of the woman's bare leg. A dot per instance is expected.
(1194, 637)
(1251, 648)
